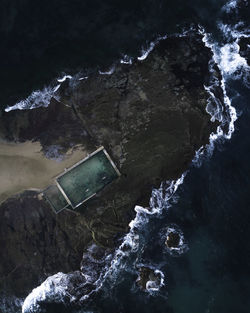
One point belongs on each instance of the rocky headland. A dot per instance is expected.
(150, 116)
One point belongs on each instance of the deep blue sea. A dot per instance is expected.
(211, 206)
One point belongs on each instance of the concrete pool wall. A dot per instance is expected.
(83, 180)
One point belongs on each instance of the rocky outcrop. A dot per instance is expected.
(173, 240)
(151, 118)
(149, 279)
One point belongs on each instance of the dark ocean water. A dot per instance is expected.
(212, 207)
(40, 40)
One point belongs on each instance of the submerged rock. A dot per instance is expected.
(150, 116)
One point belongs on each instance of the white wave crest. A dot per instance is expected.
(231, 60)
(83, 78)
(232, 5)
(160, 199)
(232, 32)
(52, 289)
(232, 66)
(38, 98)
(109, 72)
(60, 80)
(223, 112)
(126, 60)
(55, 288)
(153, 286)
(42, 98)
(145, 52)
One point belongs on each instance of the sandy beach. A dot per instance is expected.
(23, 166)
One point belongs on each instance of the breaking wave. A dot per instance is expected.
(54, 288)
(109, 72)
(153, 286)
(42, 98)
(232, 6)
(38, 98)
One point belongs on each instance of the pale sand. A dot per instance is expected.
(23, 166)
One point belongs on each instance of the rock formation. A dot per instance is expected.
(150, 116)
(148, 278)
(173, 240)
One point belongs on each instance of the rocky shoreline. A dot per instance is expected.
(150, 116)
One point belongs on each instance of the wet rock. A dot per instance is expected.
(173, 240)
(148, 278)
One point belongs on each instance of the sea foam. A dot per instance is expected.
(39, 98)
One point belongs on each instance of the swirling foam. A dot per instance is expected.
(39, 98)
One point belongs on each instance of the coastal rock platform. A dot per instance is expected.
(151, 118)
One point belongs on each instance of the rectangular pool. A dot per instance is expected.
(83, 180)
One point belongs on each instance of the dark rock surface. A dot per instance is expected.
(151, 118)
(173, 240)
(36, 243)
(56, 125)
